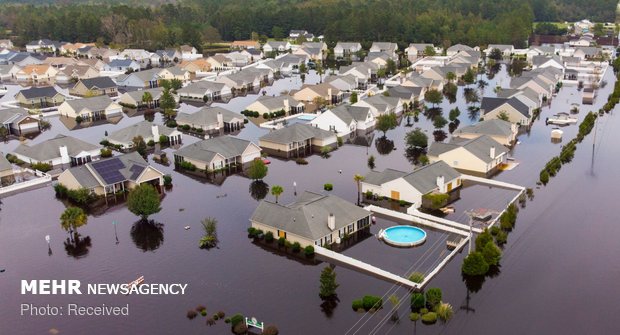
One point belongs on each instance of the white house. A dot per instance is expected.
(345, 119)
(148, 131)
(276, 46)
(91, 109)
(481, 155)
(218, 153)
(516, 111)
(59, 150)
(347, 49)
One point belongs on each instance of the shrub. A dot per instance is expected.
(221, 314)
(444, 311)
(325, 150)
(491, 253)
(167, 180)
(270, 330)
(252, 232)
(269, 237)
(187, 166)
(13, 159)
(215, 317)
(357, 305)
(203, 312)
(227, 320)
(186, 127)
(417, 277)
(309, 251)
(296, 247)
(301, 161)
(236, 319)
(433, 297)
(371, 162)
(429, 318)
(495, 230)
(501, 238)
(423, 310)
(266, 116)
(328, 187)
(171, 124)
(281, 241)
(105, 153)
(368, 194)
(414, 317)
(240, 328)
(288, 244)
(402, 203)
(482, 239)
(475, 265)
(340, 141)
(150, 143)
(417, 301)
(211, 320)
(371, 301)
(43, 167)
(191, 314)
(435, 200)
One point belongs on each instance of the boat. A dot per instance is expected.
(186, 227)
(556, 133)
(561, 119)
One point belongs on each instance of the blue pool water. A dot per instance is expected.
(404, 235)
(306, 117)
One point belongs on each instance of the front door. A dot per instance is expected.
(449, 186)
(395, 195)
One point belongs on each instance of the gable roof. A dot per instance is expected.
(489, 104)
(49, 149)
(97, 103)
(11, 115)
(39, 92)
(5, 165)
(424, 179)
(112, 170)
(348, 113)
(479, 147)
(296, 132)
(493, 127)
(97, 82)
(273, 103)
(143, 128)
(205, 150)
(207, 116)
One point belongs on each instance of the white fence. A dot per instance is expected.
(43, 178)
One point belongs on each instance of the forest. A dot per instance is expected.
(156, 24)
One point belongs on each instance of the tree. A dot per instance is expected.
(503, 116)
(386, 122)
(328, 285)
(257, 170)
(353, 97)
(429, 51)
(433, 297)
(4, 134)
(169, 114)
(139, 145)
(358, 178)
(417, 301)
(475, 265)
(433, 96)
(277, 32)
(482, 239)
(416, 139)
(454, 114)
(143, 201)
(209, 240)
(491, 253)
(167, 100)
(73, 218)
(147, 98)
(320, 70)
(276, 190)
(496, 54)
(390, 66)
(469, 77)
(439, 121)
(450, 76)
(303, 68)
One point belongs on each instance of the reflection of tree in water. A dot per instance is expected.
(413, 154)
(259, 189)
(452, 126)
(494, 271)
(473, 283)
(439, 135)
(473, 112)
(147, 235)
(77, 247)
(329, 305)
(431, 113)
(149, 117)
(384, 145)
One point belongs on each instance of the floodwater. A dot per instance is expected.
(559, 272)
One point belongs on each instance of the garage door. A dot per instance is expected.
(114, 111)
(30, 127)
(250, 157)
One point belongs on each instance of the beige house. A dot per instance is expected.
(501, 131)
(175, 72)
(513, 109)
(133, 99)
(297, 140)
(212, 120)
(195, 66)
(94, 87)
(36, 73)
(39, 97)
(91, 109)
(266, 104)
(308, 93)
(313, 219)
(147, 130)
(479, 156)
(76, 72)
(218, 153)
(108, 176)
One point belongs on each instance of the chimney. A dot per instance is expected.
(64, 154)
(492, 152)
(155, 132)
(287, 108)
(331, 222)
(220, 120)
(441, 183)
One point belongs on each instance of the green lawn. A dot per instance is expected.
(558, 24)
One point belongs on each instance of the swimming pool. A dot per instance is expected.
(403, 236)
(306, 117)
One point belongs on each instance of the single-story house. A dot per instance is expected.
(144, 79)
(36, 73)
(512, 108)
(212, 120)
(91, 109)
(276, 46)
(481, 155)
(175, 72)
(416, 50)
(39, 97)
(204, 90)
(94, 87)
(111, 175)
(457, 48)
(189, 52)
(313, 219)
(122, 65)
(8, 71)
(220, 62)
(345, 83)
(218, 153)
(267, 104)
(248, 44)
(379, 104)
(501, 131)
(18, 122)
(196, 66)
(75, 72)
(325, 91)
(387, 47)
(147, 130)
(437, 177)
(297, 140)
(505, 49)
(59, 150)
(133, 99)
(43, 45)
(345, 119)
(347, 49)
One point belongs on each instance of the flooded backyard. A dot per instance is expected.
(559, 271)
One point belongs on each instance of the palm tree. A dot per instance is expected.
(72, 218)
(450, 76)
(276, 190)
(319, 70)
(358, 180)
(147, 98)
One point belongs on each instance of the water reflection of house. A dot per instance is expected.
(212, 120)
(479, 156)
(412, 186)
(18, 122)
(112, 175)
(297, 140)
(314, 219)
(59, 150)
(218, 153)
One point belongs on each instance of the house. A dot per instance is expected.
(36, 73)
(220, 62)
(98, 53)
(541, 87)
(239, 59)
(457, 48)
(91, 109)
(147, 130)
(315, 54)
(205, 91)
(380, 104)
(218, 153)
(175, 72)
(122, 65)
(39, 97)
(6, 44)
(380, 58)
(139, 55)
(314, 45)
(112, 175)
(253, 54)
(313, 219)
(43, 45)
(60, 62)
(297, 140)
(248, 44)
(188, 52)
(285, 65)
(7, 176)
(144, 79)
(242, 81)
(196, 67)
(94, 87)
(505, 49)
(267, 104)
(165, 56)
(416, 50)
(133, 99)
(407, 93)
(365, 72)
(276, 46)
(481, 155)
(212, 120)
(59, 150)
(96, 63)
(325, 91)
(72, 48)
(24, 59)
(527, 96)
(8, 71)
(411, 187)
(587, 52)
(345, 120)
(547, 61)
(347, 50)
(74, 72)
(345, 83)
(513, 109)
(295, 34)
(387, 47)
(18, 121)
(503, 132)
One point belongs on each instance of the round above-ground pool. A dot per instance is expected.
(403, 236)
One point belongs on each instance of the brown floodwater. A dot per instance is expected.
(559, 272)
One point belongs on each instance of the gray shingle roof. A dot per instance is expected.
(201, 87)
(143, 128)
(378, 178)
(423, 179)
(97, 82)
(296, 132)
(489, 104)
(97, 103)
(137, 95)
(12, 115)
(227, 146)
(39, 92)
(207, 116)
(274, 103)
(479, 147)
(49, 149)
(348, 113)
(307, 217)
(493, 127)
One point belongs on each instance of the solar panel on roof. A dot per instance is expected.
(109, 170)
(136, 171)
